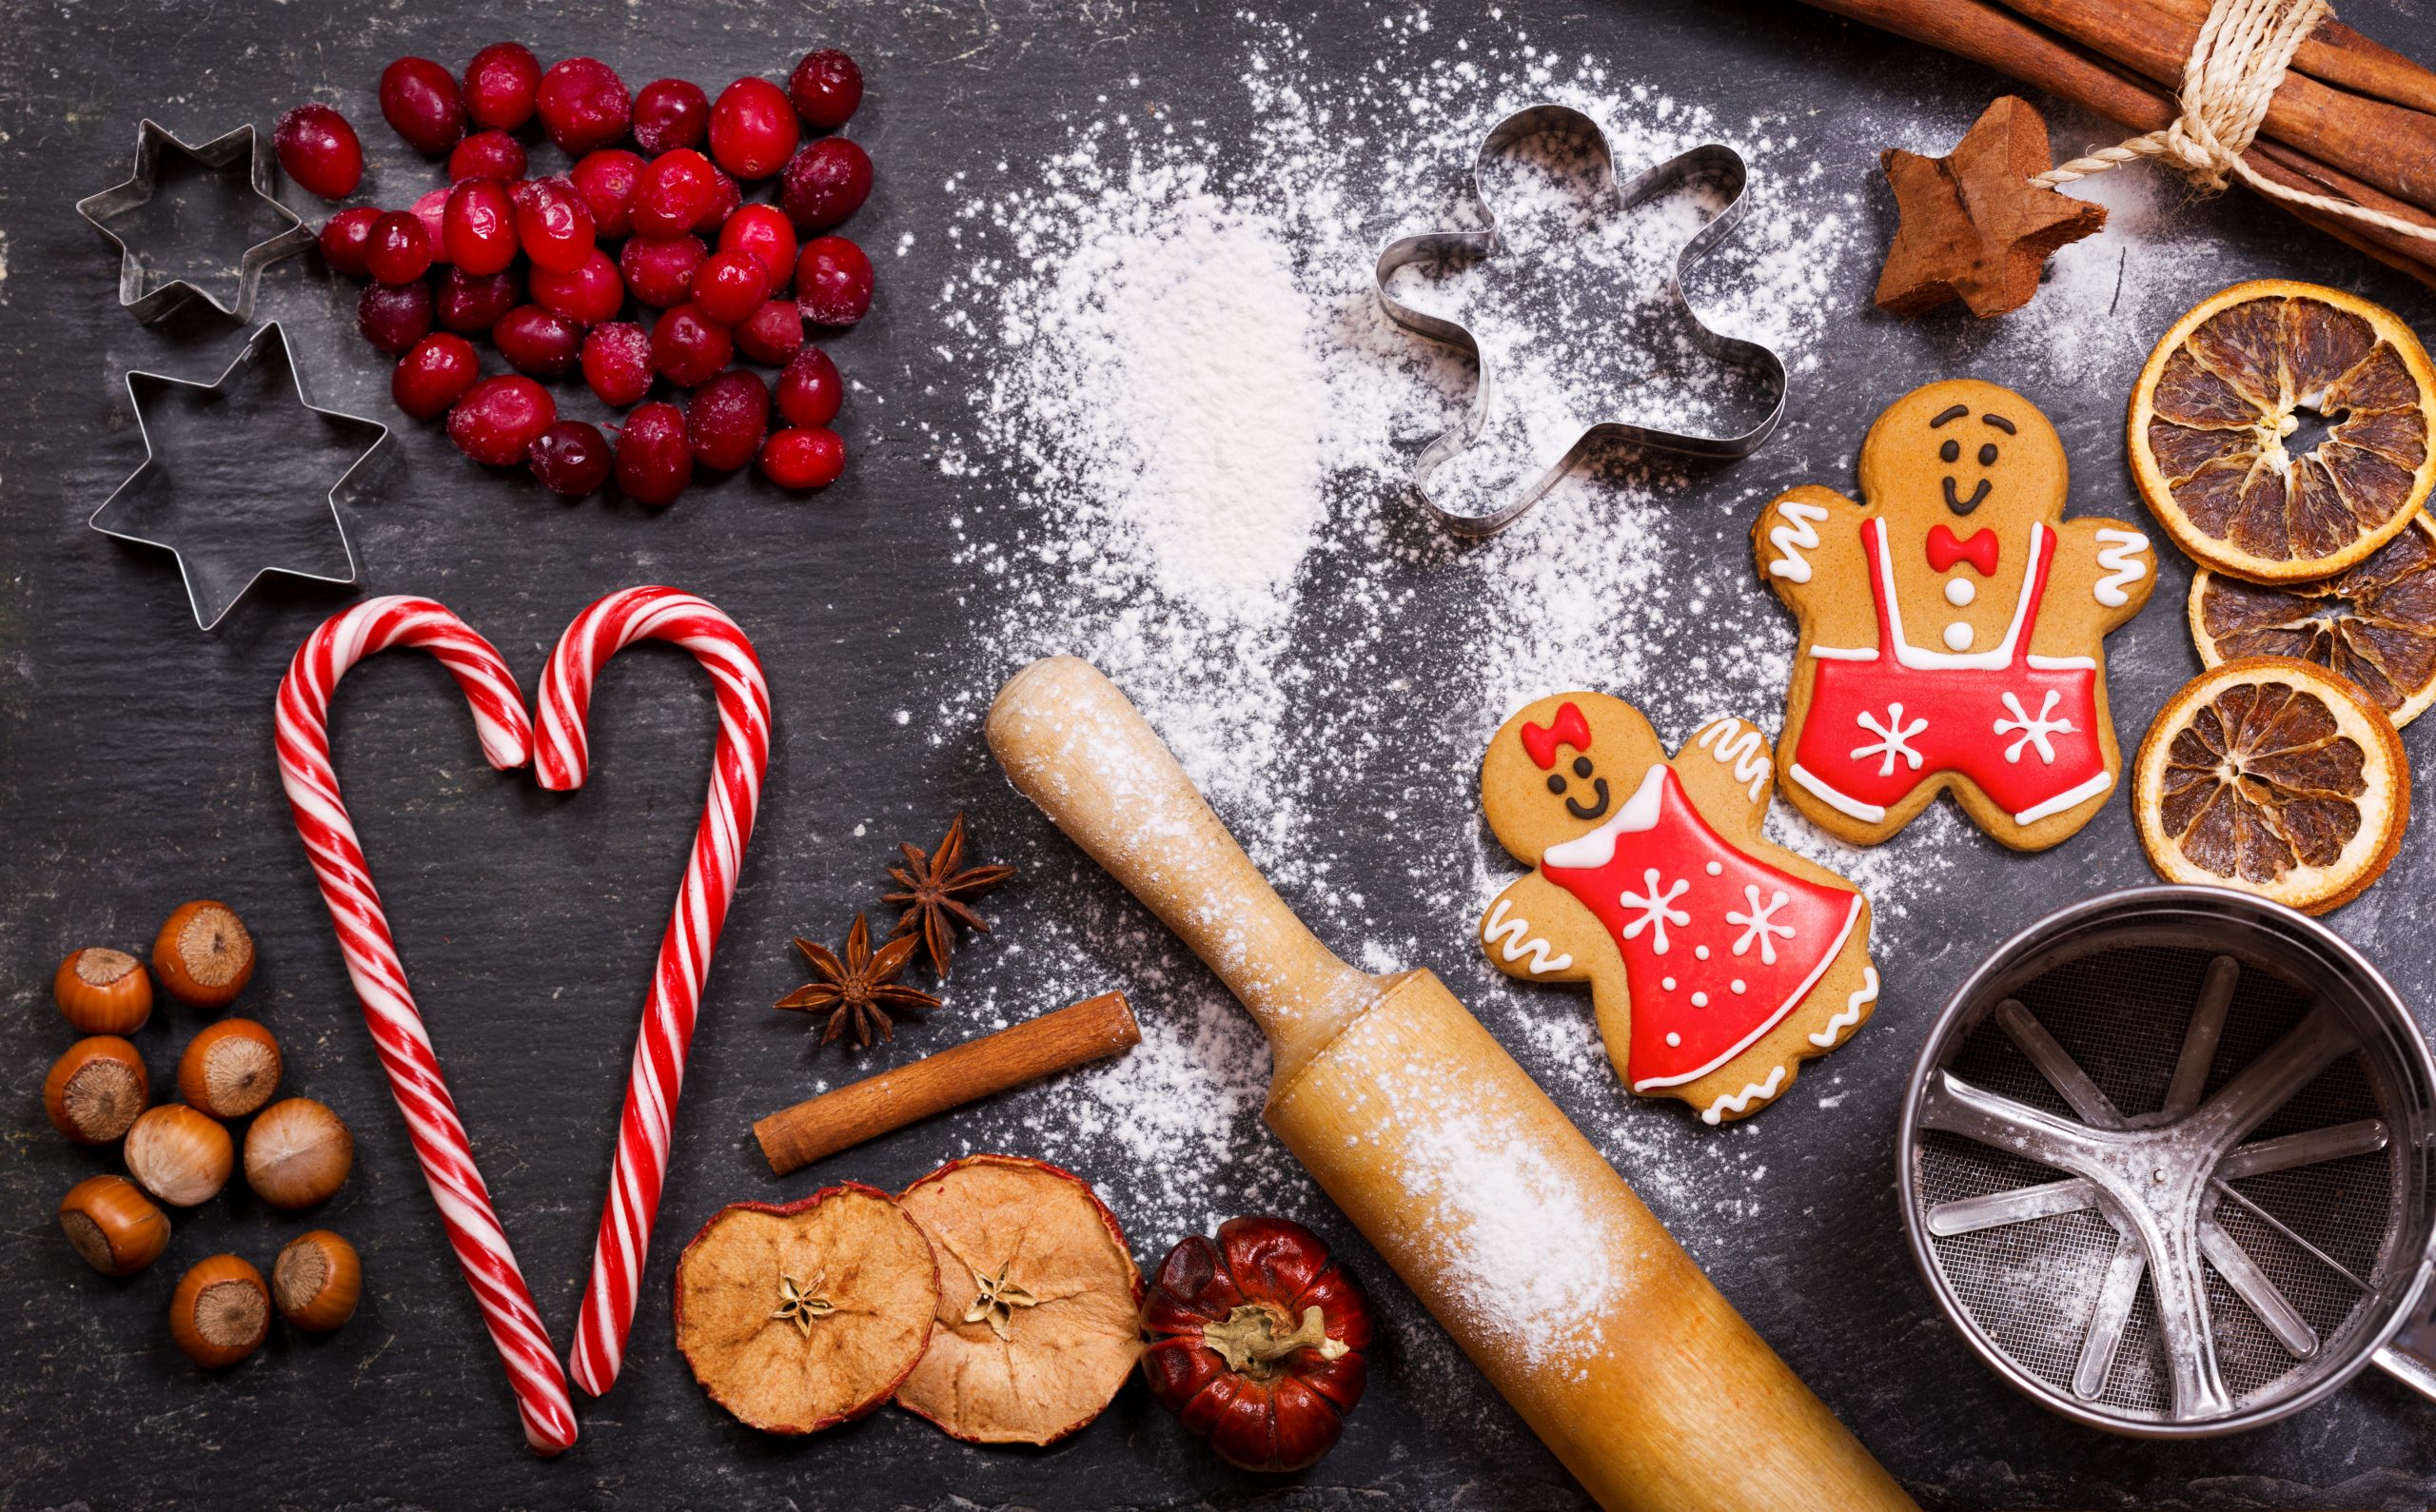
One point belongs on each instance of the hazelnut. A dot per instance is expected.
(103, 991)
(317, 1281)
(179, 1155)
(296, 1153)
(202, 953)
(221, 1313)
(230, 1069)
(113, 1224)
(95, 1093)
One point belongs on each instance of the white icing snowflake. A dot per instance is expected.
(1655, 914)
(2034, 728)
(1895, 738)
(1759, 924)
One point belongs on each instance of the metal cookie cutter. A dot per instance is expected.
(1709, 159)
(136, 215)
(216, 457)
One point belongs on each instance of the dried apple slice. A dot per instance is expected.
(2374, 623)
(2216, 410)
(796, 1318)
(1038, 1297)
(2274, 776)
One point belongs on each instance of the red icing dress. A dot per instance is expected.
(1717, 947)
(1883, 720)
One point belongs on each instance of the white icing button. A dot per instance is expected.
(1959, 592)
(1737, 985)
(1673, 1040)
(1716, 869)
(1666, 982)
(1700, 999)
(1957, 637)
(1701, 951)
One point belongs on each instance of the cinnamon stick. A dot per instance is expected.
(1092, 1029)
(2340, 56)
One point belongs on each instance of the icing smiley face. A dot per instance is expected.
(1951, 449)
(1979, 453)
(1578, 756)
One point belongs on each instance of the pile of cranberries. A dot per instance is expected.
(544, 266)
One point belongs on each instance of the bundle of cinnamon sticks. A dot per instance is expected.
(2352, 119)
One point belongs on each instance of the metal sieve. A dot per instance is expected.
(2163, 1162)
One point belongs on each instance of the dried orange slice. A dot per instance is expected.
(2274, 776)
(2374, 623)
(2218, 422)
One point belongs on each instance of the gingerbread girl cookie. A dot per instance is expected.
(1951, 626)
(1717, 961)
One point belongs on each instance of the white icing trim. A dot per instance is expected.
(1995, 657)
(1844, 652)
(1746, 752)
(1740, 1101)
(2123, 568)
(1793, 538)
(1866, 813)
(1865, 994)
(1514, 940)
(1590, 851)
(1852, 916)
(2070, 797)
(2060, 663)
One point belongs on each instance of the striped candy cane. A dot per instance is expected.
(389, 1010)
(561, 757)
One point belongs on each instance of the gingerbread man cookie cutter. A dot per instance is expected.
(1709, 159)
(143, 290)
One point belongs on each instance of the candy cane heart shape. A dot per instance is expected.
(561, 757)
(439, 1135)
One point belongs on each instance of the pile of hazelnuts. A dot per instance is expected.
(534, 263)
(297, 1153)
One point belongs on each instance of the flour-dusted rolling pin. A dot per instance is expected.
(1570, 1297)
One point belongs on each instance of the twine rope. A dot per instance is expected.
(2235, 65)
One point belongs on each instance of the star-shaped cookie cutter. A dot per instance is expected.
(212, 602)
(1710, 159)
(137, 294)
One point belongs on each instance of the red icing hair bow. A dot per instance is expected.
(1543, 739)
(1980, 550)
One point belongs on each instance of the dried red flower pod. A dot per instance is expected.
(1256, 1341)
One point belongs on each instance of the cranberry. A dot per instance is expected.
(471, 305)
(687, 346)
(347, 241)
(675, 192)
(542, 343)
(393, 315)
(432, 211)
(588, 294)
(810, 390)
(825, 183)
(825, 89)
(434, 375)
(571, 459)
(806, 457)
(487, 155)
(552, 225)
(607, 179)
(654, 461)
(497, 422)
(319, 150)
(617, 363)
(583, 105)
(399, 250)
(725, 199)
(753, 128)
(764, 231)
(670, 113)
(773, 333)
(832, 282)
(419, 98)
(730, 287)
(478, 226)
(726, 418)
(500, 84)
(659, 269)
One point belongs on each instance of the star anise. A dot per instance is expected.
(936, 891)
(861, 990)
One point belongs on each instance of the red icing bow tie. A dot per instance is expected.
(1980, 550)
(1541, 740)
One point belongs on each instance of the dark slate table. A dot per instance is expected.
(135, 770)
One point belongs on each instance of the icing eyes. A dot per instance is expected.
(1556, 783)
(1987, 453)
(1581, 766)
(1950, 450)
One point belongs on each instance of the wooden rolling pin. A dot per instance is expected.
(1567, 1293)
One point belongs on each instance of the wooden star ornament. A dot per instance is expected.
(1974, 225)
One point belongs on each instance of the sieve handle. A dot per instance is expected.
(2412, 1358)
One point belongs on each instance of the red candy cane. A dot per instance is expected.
(389, 1010)
(560, 758)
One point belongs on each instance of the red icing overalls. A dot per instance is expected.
(1717, 947)
(1884, 720)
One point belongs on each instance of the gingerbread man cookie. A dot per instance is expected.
(1717, 961)
(1951, 626)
